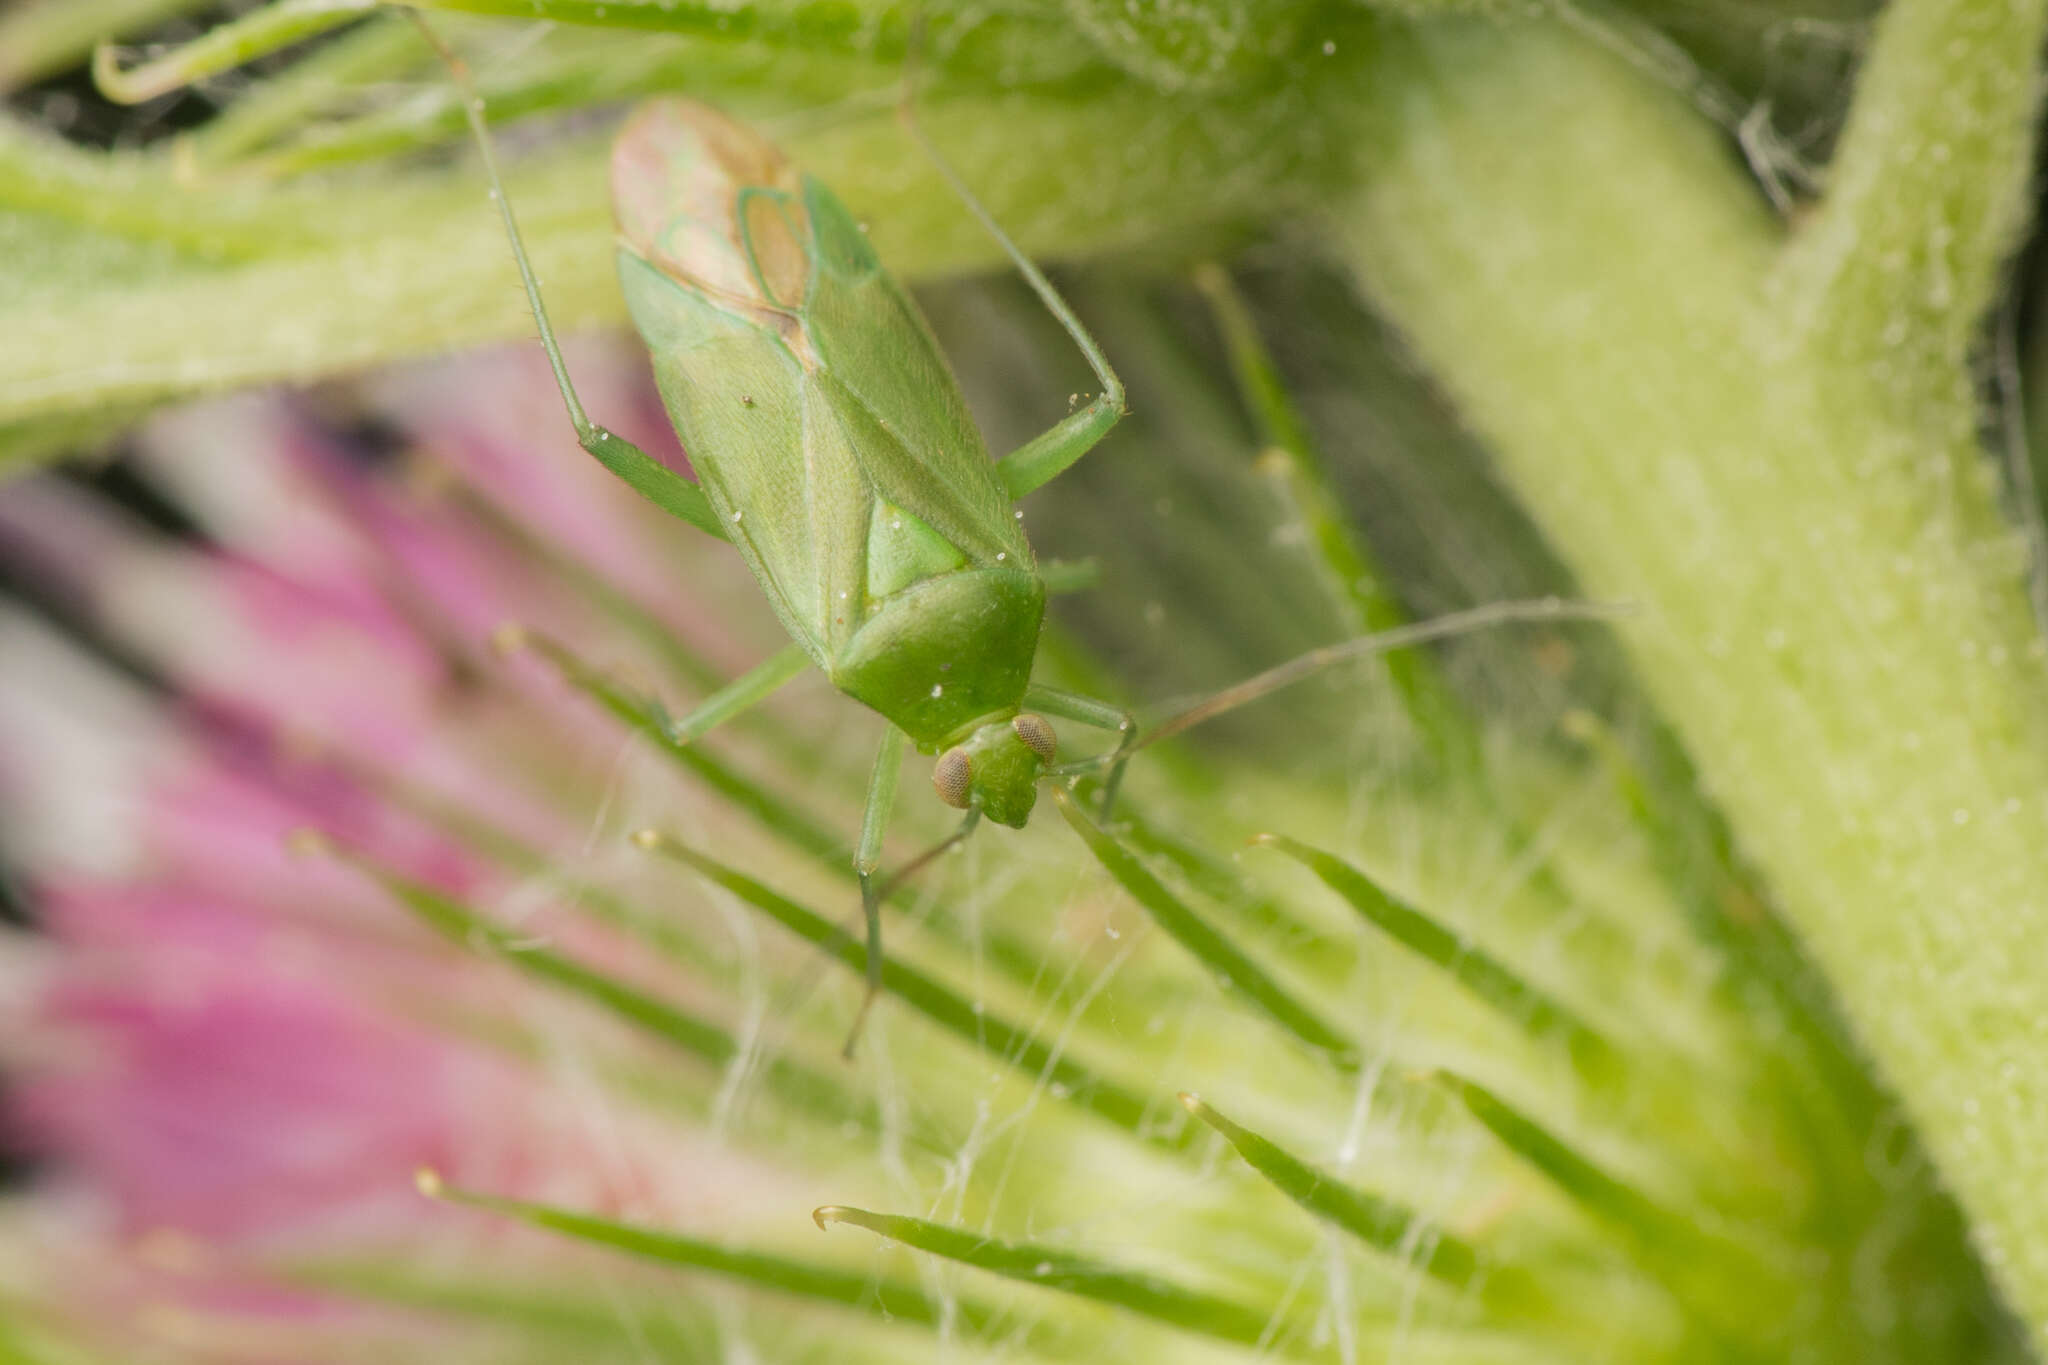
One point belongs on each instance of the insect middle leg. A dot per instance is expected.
(755, 685)
(867, 860)
(1100, 714)
(649, 477)
(645, 710)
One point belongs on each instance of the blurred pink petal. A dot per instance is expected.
(242, 467)
(496, 416)
(231, 1052)
(236, 1109)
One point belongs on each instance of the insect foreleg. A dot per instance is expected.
(649, 477)
(1100, 714)
(867, 858)
(755, 685)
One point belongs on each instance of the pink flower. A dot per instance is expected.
(222, 1046)
(230, 1092)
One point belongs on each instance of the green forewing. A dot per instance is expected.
(736, 397)
(873, 342)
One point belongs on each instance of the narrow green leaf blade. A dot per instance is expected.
(1224, 882)
(1485, 976)
(1357, 584)
(224, 47)
(1233, 969)
(40, 38)
(985, 1029)
(1051, 1268)
(805, 1279)
(1376, 1221)
(800, 1085)
(1714, 1272)
(465, 928)
(769, 809)
(1612, 1200)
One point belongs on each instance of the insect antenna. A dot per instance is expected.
(1518, 612)
(926, 858)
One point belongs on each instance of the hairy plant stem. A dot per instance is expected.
(121, 252)
(1772, 446)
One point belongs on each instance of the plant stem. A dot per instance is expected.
(425, 261)
(1774, 451)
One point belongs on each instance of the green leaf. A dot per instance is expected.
(860, 1289)
(1051, 1268)
(1231, 968)
(1486, 977)
(1647, 1223)
(1376, 1221)
(773, 811)
(978, 1027)
(456, 922)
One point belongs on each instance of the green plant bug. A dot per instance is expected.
(833, 449)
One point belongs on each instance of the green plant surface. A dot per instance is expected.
(1640, 991)
(1769, 438)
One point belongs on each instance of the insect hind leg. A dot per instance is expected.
(1051, 452)
(647, 476)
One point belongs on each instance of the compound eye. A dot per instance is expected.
(952, 778)
(1036, 732)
